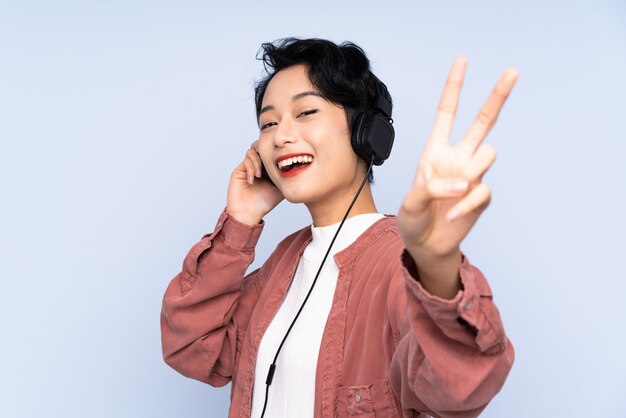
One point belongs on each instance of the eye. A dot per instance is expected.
(308, 112)
(267, 125)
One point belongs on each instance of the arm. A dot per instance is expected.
(209, 303)
(210, 300)
(453, 356)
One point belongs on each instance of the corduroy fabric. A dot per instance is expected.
(389, 348)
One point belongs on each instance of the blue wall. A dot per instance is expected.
(120, 124)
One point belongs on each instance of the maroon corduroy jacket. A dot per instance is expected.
(403, 351)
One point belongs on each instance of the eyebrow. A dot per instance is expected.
(293, 99)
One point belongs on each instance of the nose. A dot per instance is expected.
(284, 133)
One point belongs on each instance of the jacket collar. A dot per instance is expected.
(349, 254)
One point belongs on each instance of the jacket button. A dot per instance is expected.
(468, 305)
(357, 398)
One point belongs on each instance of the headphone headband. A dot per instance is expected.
(382, 101)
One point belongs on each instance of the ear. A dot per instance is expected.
(350, 116)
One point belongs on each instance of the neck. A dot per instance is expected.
(324, 213)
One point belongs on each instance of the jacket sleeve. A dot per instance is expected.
(453, 356)
(210, 300)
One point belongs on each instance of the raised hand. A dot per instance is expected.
(251, 197)
(447, 195)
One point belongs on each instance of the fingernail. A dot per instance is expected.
(258, 172)
(458, 186)
(250, 179)
(513, 73)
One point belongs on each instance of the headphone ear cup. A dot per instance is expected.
(372, 135)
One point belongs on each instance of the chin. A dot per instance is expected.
(298, 196)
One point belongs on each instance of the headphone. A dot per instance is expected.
(372, 139)
(372, 130)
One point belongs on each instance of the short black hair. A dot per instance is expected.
(340, 72)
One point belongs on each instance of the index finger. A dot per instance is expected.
(256, 157)
(449, 102)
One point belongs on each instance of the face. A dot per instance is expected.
(296, 121)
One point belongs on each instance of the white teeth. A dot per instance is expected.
(298, 159)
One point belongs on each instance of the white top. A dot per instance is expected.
(292, 392)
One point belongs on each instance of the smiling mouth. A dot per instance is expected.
(294, 163)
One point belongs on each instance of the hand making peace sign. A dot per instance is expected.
(447, 195)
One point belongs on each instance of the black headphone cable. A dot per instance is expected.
(270, 374)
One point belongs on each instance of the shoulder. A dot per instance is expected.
(382, 239)
(377, 252)
(296, 238)
(288, 248)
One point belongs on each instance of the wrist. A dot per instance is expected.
(244, 218)
(438, 273)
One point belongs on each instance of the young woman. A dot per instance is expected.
(397, 322)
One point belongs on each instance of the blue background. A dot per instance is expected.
(120, 124)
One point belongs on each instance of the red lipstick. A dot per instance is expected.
(284, 157)
(293, 171)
